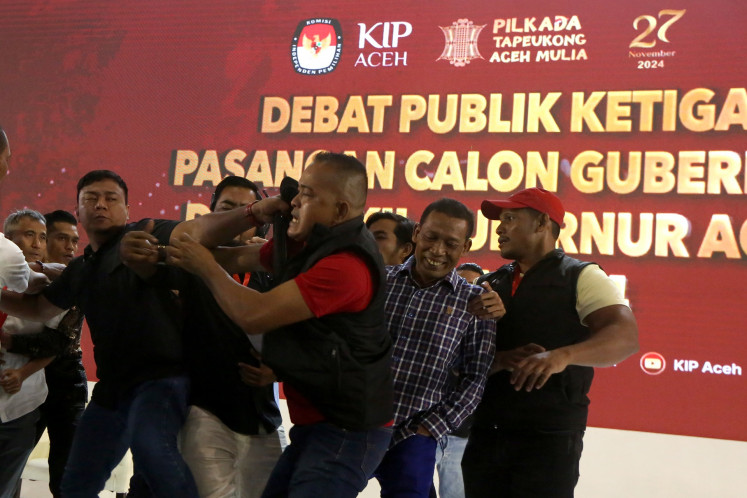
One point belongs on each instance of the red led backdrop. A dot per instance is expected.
(633, 112)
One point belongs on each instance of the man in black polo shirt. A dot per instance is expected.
(230, 439)
(140, 400)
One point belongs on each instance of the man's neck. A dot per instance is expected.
(525, 264)
(98, 239)
(419, 279)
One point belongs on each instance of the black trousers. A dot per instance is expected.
(60, 414)
(521, 464)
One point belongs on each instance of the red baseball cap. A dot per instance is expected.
(535, 198)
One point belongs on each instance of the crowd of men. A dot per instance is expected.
(395, 360)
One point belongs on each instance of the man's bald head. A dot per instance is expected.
(347, 176)
(331, 191)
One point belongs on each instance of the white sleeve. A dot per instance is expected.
(596, 290)
(54, 322)
(14, 272)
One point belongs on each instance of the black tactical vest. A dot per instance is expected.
(340, 362)
(542, 311)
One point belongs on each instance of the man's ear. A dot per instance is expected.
(415, 233)
(405, 250)
(343, 210)
(468, 245)
(543, 222)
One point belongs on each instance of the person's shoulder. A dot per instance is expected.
(571, 260)
(342, 262)
(465, 288)
(9, 246)
(393, 270)
(75, 264)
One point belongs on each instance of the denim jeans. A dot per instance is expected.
(147, 421)
(326, 461)
(407, 468)
(504, 464)
(16, 443)
(449, 454)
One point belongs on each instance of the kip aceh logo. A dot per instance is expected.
(316, 46)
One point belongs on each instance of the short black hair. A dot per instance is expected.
(233, 181)
(61, 216)
(97, 176)
(347, 166)
(470, 267)
(343, 161)
(403, 229)
(452, 208)
(555, 228)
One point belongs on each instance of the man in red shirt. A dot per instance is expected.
(326, 339)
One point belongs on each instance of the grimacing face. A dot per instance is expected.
(440, 242)
(31, 236)
(101, 209)
(62, 242)
(316, 202)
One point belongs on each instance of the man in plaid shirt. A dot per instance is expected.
(433, 333)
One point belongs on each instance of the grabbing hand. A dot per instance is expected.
(256, 376)
(51, 270)
(265, 210)
(139, 247)
(533, 371)
(487, 305)
(423, 431)
(188, 254)
(255, 241)
(37, 283)
(11, 380)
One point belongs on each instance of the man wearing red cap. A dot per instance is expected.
(563, 317)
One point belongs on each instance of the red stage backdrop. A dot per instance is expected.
(633, 112)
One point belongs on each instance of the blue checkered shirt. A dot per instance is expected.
(433, 333)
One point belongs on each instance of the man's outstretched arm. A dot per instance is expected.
(214, 229)
(254, 312)
(34, 307)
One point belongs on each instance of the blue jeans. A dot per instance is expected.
(16, 443)
(147, 421)
(449, 466)
(326, 461)
(407, 468)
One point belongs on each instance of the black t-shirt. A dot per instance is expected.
(135, 327)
